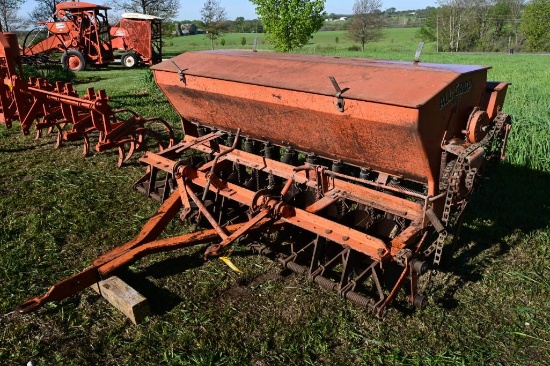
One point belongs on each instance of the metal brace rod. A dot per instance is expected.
(104, 269)
(218, 156)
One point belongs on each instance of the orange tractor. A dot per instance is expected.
(82, 33)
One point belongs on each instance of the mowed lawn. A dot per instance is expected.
(59, 210)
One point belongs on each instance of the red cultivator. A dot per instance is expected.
(60, 108)
(357, 189)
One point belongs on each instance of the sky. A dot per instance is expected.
(191, 10)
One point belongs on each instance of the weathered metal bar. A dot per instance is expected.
(105, 266)
(393, 204)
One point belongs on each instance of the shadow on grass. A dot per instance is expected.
(134, 101)
(160, 299)
(46, 140)
(170, 54)
(89, 79)
(28, 147)
(514, 200)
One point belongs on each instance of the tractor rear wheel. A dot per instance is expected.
(73, 60)
(129, 59)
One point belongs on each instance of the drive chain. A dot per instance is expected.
(450, 180)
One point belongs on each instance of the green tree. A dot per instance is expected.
(428, 31)
(458, 24)
(290, 24)
(168, 28)
(239, 24)
(535, 25)
(367, 22)
(516, 9)
(213, 17)
(390, 11)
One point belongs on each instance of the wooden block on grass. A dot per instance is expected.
(127, 300)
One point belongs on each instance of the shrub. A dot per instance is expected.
(222, 41)
(337, 40)
(354, 48)
(243, 41)
(52, 73)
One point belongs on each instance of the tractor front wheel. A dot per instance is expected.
(73, 60)
(129, 59)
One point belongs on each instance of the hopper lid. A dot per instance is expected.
(389, 82)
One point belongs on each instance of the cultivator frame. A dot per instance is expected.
(59, 107)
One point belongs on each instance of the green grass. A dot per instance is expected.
(60, 210)
(399, 39)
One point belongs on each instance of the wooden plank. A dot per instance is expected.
(127, 300)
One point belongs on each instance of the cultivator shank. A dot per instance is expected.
(322, 182)
(59, 107)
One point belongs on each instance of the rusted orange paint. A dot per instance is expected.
(139, 36)
(395, 117)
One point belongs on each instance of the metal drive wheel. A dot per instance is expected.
(73, 60)
(129, 59)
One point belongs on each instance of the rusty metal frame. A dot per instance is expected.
(265, 211)
(360, 255)
(59, 107)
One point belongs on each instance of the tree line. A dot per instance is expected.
(466, 25)
(239, 25)
(489, 25)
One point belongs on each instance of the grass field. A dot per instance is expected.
(60, 210)
(395, 40)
